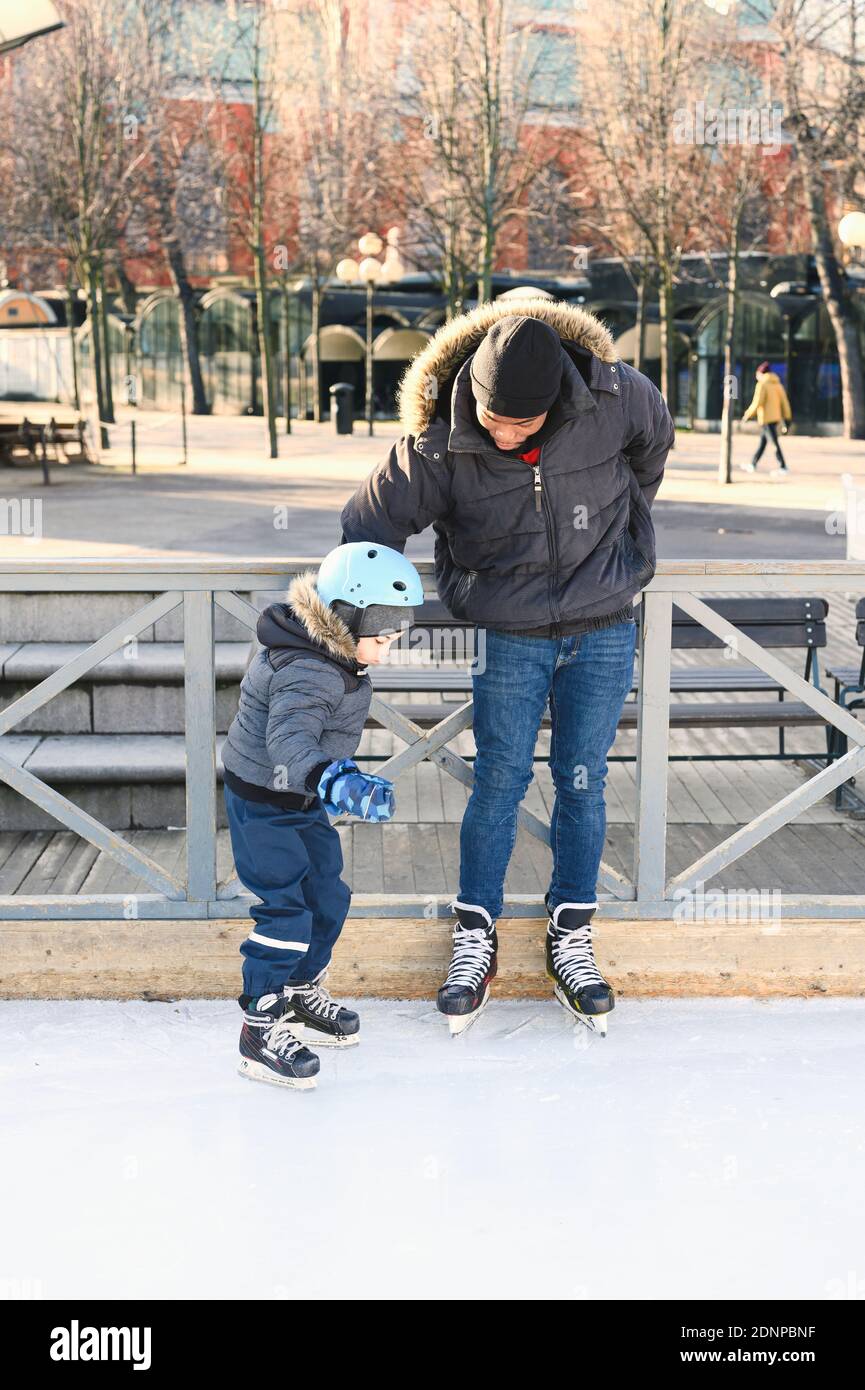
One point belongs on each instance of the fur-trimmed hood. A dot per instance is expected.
(323, 625)
(439, 361)
(305, 620)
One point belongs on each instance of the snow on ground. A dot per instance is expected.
(705, 1148)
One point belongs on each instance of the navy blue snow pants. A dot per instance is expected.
(292, 861)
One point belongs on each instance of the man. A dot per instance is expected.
(535, 456)
(771, 407)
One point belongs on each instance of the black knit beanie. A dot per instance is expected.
(517, 370)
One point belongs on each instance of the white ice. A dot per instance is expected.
(705, 1148)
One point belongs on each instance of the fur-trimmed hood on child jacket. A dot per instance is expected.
(303, 701)
(520, 546)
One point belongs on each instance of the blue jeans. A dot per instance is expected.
(292, 861)
(769, 434)
(586, 680)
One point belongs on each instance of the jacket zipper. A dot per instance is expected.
(541, 505)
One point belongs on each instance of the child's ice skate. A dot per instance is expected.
(473, 967)
(269, 1047)
(317, 1018)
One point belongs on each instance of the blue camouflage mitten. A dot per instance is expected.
(345, 790)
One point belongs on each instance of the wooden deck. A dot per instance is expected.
(419, 851)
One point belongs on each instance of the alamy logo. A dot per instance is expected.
(729, 125)
(76, 1343)
(21, 516)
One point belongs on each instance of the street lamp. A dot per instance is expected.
(15, 30)
(851, 233)
(368, 272)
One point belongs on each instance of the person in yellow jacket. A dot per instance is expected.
(772, 408)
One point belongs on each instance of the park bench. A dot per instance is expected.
(24, 437)
(850, 694)
(69, 438)
(792, 623)
(65, 439)
(10, 431)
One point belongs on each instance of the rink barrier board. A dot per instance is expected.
(202, 587)
(403, 958)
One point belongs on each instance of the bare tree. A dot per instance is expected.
(336, 126)
(421, 178)
(481, 98)
(75, 173)
(181, 200)
(737, 190)
(646, 69)
(824, 87)
(744, 166)
(248, 152)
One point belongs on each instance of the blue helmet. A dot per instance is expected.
(363, 573)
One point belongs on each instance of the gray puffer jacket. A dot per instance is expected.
(518, 547)
(304, 699)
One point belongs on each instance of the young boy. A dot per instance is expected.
(287, 758)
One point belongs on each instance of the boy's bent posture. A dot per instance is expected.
(287, 757)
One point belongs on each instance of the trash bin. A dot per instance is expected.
(342, 406)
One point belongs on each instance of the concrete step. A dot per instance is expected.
(138, 690)
(128, 781)
(83, 617)
(153, 662)
(109, 758)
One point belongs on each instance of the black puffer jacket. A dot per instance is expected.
(507, 554)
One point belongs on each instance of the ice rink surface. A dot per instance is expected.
(705, 1148)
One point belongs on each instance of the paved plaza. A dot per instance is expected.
(230, 500)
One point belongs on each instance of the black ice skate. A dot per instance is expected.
(473, 966)
(579, 985)
(317, 1018)
(269, 1048)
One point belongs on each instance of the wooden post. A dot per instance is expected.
(653, 737)
(200, 698)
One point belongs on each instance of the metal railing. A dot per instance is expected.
(203, 586)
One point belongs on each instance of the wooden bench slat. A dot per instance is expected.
(845, 675)
(756, 610)
(762, 609)
(693, 680)
(770, 714)
(765, 634)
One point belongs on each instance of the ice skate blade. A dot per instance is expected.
(596, 1023)
(459, 1023)
(255, 1071)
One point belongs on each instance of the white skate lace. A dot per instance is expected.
(316, 998)
(472, 951)
(574, 958)
(281, 1040)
